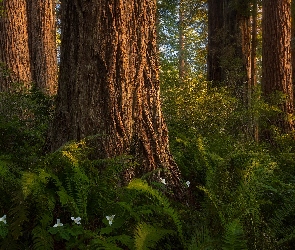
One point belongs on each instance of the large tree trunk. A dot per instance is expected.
(109, 83)
(276, 58)
(42, 42)
(14, 48)
(293, 44)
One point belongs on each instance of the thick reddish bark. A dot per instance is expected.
(276, 58)
(109, 83)
(42, 42)
(27, 45)
(14, 48)
(293, 43)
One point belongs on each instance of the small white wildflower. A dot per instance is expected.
(110, 219)
(58, 224)
(76, 220)
(188, 183)
(163, 181)
(3, 219)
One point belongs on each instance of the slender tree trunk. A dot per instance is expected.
(215, 41)
(109, 83)
(181, 58)
(253, 78)
(276, 58)
(42, 42)
(14, 48)
(245, 50)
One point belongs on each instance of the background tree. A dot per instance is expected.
(27, 40)
(42, 42)
(182, 55)
(229, 48)
(109, 83)
(215, 44)
(276, 61)
(182, 38)
(253, 78)
(14, 47)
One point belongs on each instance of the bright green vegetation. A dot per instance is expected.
(241, 193)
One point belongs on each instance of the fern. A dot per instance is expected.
(280, 222)
(143, 187)
(42, 240)
(146, 236)
(201, 240)
(19, 214)
(234, 238)
(102, 243)
(3, 230)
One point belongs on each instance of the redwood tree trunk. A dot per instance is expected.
(27, 44)
(293, 44)
(253, 68)
(215, 41)
(109, 83)
(229, 36)
(14, 48)
(276, 58)
(42, 42)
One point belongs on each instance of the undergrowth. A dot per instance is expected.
(240, 193)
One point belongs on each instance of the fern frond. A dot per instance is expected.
(42, 239)
(103, 244)
(142, 186)
(283, 230)
(129, 208)
(29, 180)
(123, 239)
(201, 240)
(19, 214)
(234, 236)
(146, 236)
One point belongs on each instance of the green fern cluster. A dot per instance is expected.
(68, 184)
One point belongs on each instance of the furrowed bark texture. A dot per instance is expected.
(276, 57)
(27, 44)
(109, 83)
(42, 42)
(293, 44)
(14, 48)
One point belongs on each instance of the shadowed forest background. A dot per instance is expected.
(137, 124)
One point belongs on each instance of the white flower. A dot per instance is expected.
(58, 224)
(110, 219)
(163, 181)
(188, 183)
(76, 220)
(3, 219)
